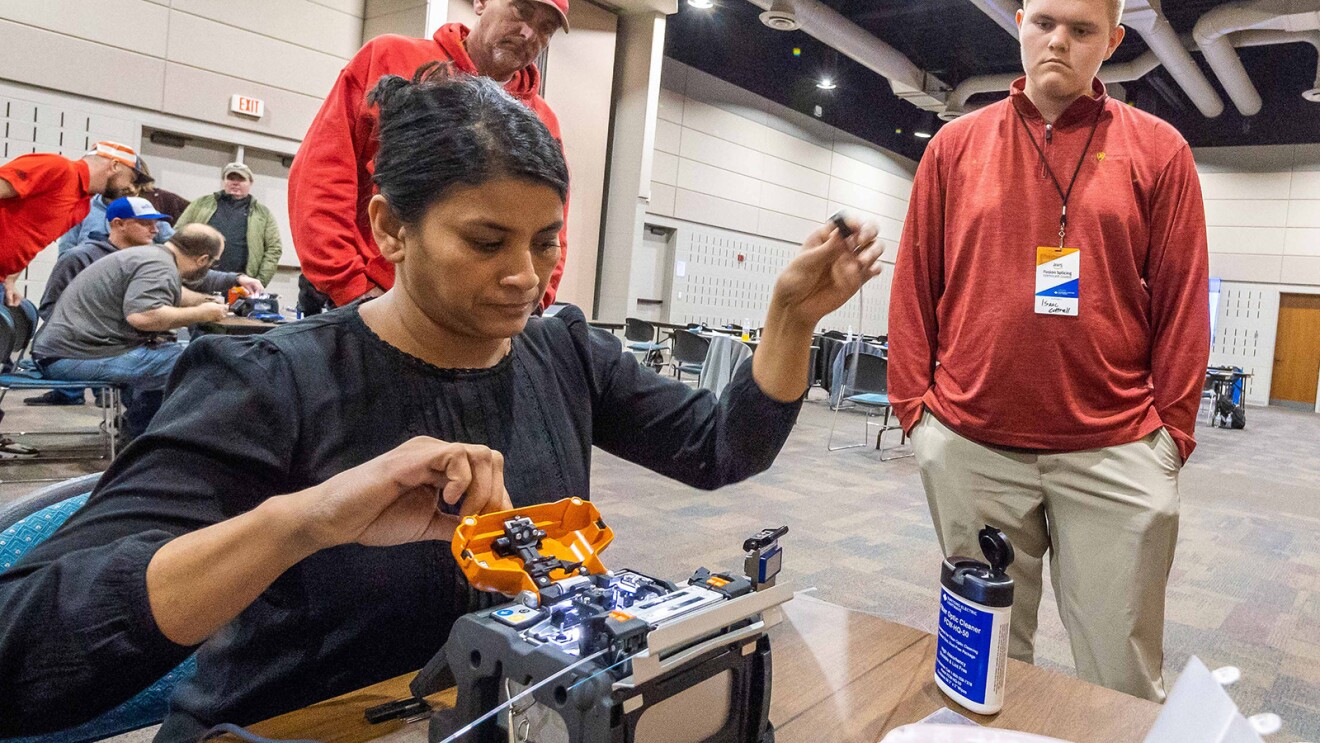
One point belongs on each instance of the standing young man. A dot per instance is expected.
(1049, 333)
(330, 182)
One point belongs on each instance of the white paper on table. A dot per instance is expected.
(922, 732)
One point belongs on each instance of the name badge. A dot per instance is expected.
(1058, 271)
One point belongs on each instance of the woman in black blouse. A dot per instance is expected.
(281, 512)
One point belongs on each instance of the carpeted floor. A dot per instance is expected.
(1245, 589)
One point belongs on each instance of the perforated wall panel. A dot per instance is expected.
(723, 277)
(1244, 334)
(30, 127)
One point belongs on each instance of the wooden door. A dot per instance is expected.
(1296, 351)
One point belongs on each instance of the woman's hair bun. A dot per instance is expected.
(445, 128)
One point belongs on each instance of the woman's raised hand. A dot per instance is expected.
(829, 270)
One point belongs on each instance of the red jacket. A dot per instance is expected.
(330, 181)
(965, 339)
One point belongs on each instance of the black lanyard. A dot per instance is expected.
(1065, 195)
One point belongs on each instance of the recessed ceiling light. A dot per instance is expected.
(826, 84)
(703, 4)
(922, 135)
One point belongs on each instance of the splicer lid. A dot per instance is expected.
(574, 533)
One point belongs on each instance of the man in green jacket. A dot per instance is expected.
(252, 240)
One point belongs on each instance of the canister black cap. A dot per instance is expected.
(985, 584)
(976, 582)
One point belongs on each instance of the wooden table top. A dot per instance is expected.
(237, 326)
(839, 675)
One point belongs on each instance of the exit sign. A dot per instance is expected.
(241, 104)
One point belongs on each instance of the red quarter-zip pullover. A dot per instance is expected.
(965, 339)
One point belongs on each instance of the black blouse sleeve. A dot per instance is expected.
(77, 636)
(680, 432)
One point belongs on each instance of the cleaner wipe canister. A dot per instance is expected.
(976, 601)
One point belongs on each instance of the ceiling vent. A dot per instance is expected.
(781, 16)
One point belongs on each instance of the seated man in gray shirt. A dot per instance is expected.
(112, 323)
(132, 221)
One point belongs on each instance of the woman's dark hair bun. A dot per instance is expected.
(446, 128)
(386, 90)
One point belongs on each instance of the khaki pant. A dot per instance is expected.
(1108, 519)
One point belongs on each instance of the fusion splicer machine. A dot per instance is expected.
(258, 307)
(587, 655)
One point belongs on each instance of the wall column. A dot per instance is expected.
(641, 43)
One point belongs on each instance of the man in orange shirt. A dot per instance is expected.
(43, 195)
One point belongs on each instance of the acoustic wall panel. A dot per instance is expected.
(297, 22)
(208, 45)
(795, 176)
(131, 25)
(709, 150)
(1305, 184)
(1238, 186)
(1301, 241)
(1304, 213)
(1246, 212)
(668, 136)
(664, 167)
(1246, 240)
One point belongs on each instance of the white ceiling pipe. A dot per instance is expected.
(1143, 16)
(1110, 74)
(1212, 30)
(1271, 38)
(1003, 12)
(1136, 69)
(957, 103)
(825, 24)
(1125, 72)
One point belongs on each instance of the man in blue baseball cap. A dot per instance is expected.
(132, 221)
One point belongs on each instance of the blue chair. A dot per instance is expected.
(868, 378)
(30, 521)
(17, 328)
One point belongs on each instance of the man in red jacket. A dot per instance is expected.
(1049, 333)
(330, 182)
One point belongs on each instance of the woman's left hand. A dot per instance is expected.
(829, 270)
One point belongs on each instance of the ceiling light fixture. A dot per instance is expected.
(922, 135)
(703, 4)
(826, 84)
(780, 16)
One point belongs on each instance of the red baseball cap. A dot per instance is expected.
(561, 7)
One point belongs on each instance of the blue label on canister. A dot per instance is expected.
(962, 657)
